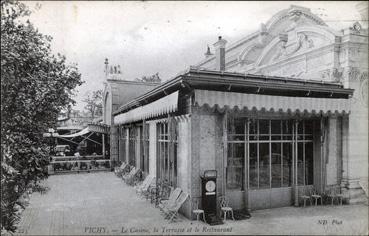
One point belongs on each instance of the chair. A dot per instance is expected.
(130, 173)
(198, 211)
(316, 196)
(224, 207)
(147, 192)
(144, 185)
(335, 193)
(134, 177)
(171, 212)
(306, 195)
(119, 170)
(159, 192)
(164, 203)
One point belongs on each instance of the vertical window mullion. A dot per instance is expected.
(270, 154)
(258, 158)
(281, 153)
(303, 151)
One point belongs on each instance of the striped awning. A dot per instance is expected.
(157, 108)
(272, 103)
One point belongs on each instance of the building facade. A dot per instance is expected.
(283, 109)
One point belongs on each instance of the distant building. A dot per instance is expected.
(117, 91)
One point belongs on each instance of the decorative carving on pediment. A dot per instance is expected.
(303, 43)
(356, 28)
(334, 74)
(337, 74)
(294, 14)
(353, 73)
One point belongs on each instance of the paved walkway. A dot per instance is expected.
(101, 204)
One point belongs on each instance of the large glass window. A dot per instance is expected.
(132, 140)
(235, 166)
(167, 152)
(122, 143)
(144, 148)
(269, 144)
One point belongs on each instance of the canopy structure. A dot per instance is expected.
(272, 103)
(80, 133)
(159, 107)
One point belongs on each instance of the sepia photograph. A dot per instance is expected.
(184, 118)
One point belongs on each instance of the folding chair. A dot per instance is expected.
(130, 173)
(163, 203)
(144, 185)
(119, 170)
(171, 212)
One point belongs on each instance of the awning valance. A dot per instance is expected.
(271, 103)
(80, 133)
(159, 107)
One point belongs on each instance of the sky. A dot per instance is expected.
(149, 37)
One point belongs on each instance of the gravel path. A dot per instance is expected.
(101, 204)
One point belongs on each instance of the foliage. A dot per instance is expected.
(35, 86)
(150, 79)
(93, 102)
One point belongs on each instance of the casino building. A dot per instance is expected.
(281, 109)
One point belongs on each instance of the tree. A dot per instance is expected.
(93, 102)
(35, 86)
(152, 78)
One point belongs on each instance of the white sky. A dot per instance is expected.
(149, 37)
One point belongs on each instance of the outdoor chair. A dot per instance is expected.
(140, 189)
(119, 170)
(133, 177)
(128, 174)
(164, 203)
(158, 192)
(334, 192)
(306, 195)
(225, 208)
(316, 196)
(198, 212)
(171, 212)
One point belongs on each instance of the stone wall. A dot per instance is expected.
(207, 148)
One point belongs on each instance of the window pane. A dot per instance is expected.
(287, 165)
(264, 129)
(276, 165)
(253, 172)
(253, 130)
(300, 130)
(235, 166)
(309, 163)
(287, 129)
(309, 129)
(236, 129)
(264, 165)
(276, 129)
(300, 164)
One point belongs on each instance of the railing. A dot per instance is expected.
(71, 164)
